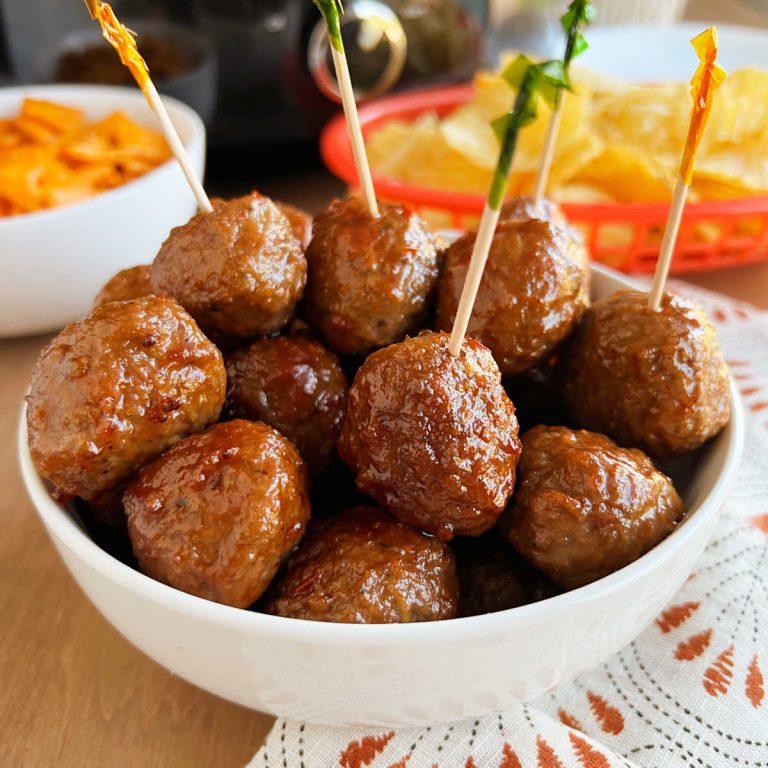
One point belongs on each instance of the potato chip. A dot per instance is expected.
(618, 142)
(629, 176)
(418, 153)
(740, 109)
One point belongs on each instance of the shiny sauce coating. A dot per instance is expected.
(534, 287)
(217, 514)
(370, 279)
(584, 507)
(127, 284)
(652, 379)
(239, 271)
(113, 391)
(294, 384)
(363, 567)
(432, 437)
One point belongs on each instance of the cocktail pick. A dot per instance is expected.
(124, 42)
(708, 76)
(579, 14)
(532, 81)
(332, 10)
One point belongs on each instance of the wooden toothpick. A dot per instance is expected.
(332, 11)
(579, 14)
(124, 42)
(531, 80)
(708, 76)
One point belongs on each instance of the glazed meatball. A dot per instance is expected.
(300, 221)
(524, 208)
(534, 287)
(363, 567)
(239, 271)
(127, 284)
(432, 437)
(493, 577)
(584, 507)
(216, 514)
(294, 384)
(655, 380)
(113, 391)
(370, 280)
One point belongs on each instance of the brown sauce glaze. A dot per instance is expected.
(113, 391)
(584, 507)
(432, 437)
(370, 280)
(534, 288)
(294, 384)
(216, 514)
(239, 271)
(655, 380)
(127, 284)
(363, 567)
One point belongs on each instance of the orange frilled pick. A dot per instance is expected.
(121, 39)
(707, 77)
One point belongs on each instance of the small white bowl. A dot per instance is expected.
(56, 260)
(395, 674)
(195, 86)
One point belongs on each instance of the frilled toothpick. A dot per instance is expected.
(709, 75)
(579, 14)
(332, 11)
(124, 42)
(532, 81)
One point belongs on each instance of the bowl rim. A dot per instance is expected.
(176, 109)
(64, 529)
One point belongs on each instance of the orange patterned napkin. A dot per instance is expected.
(689, 692)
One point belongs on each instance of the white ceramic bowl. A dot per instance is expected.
(396, 674)
(55, 261)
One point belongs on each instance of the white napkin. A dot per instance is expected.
(689, 692)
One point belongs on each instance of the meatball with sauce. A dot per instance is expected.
(294, 384)
(363, 567)
(127, 284)
(300, 221)
(370, 279)
(652, 379)
(113, 391)
(524, 208)
(584, 507)
(534, 288)
(239, 271)
(216, 514)
(432, 437)
(493, 577)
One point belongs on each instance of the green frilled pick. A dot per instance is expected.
(532, 81)
(332, 10)
(579, 14)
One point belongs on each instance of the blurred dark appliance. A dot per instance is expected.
(267, 93)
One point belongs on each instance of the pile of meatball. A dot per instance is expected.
(203, 420)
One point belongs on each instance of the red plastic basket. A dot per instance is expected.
(626, 236)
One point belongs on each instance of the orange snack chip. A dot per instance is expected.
(51, 155)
